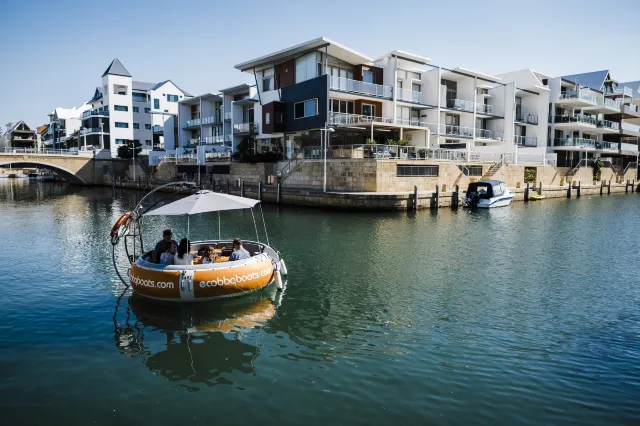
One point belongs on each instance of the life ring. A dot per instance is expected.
(121, 227)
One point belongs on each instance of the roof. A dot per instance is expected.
(634, 85)
(595, 80)
(238, 88)
(477, 74)
(194, 99)
(42, 129)
(162, 83)
(116, 68)
(142, 86)
(65, 113)
(406, 55)
(334, 49)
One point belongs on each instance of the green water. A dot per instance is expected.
(522, 315)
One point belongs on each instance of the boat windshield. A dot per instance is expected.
(484, 189)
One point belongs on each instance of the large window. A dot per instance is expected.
(122, 125)
(368, 110)
(156, 103)
(338, 105)
(139, 97)
(306, 67)
(267, 80)
(409, 171)
(307, 108)
(368, 77)
(172, 98)
(120, 108)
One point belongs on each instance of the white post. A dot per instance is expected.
(101, 135)
(324, 174)
(133, 142)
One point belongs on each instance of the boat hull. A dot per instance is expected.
(496, 202)
(195, 283)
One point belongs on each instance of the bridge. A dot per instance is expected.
(81, 167)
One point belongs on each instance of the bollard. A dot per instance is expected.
(242, 188)
(569, 190)
(526, 193)
(415, 197)
(455, 198)
(260, 191)
(539, 188)
(437, 196)
(626, 187)
(278, 194)
(579, 189)
(601, 186)
(227, 186)
(633, 186)
(609, 188)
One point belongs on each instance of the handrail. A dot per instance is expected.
(635, 166)
(287, 166)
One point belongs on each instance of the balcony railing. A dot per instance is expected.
(215, 140)
(484, 108)
(245, 128)
(462, 132)
(577, 118)
(610, 103)
(629, 147)
(228, 138)
(460, 104)
(158, 129)
(347, 85)
(228, 115)
(608, 124)
(95, 112)
(607, 145)
(214, 119)
(193, 122)
(523, 117)
(409, 96)
(529, 141)
(577, 142)
(340, 118)
(488, 134)
(626, 91)
(583, 94)
(93, 130)
(417, 123)
(633, 109)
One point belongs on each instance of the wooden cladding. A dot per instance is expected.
(285, 74)
(376, 105)
(377, 72)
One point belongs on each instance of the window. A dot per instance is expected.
(267, 80)
(341, 106)
(136, 125)
(408, 171)
(136, 109)
(147, 126)
(139, 97)
(416, 87)
(147, 142)
(122, 125)
(415, 75)
(172, 98)
(279, 118)
(368, 77)
(306, 67)
(156, 103)
(368, 110)
(307, 108)
(147, 110)
(120, 108)
(267, 118)
(119, 141)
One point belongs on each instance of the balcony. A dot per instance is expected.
(193, 122)
(228, 138)
(484, 109)
(461, 132)
(96, 113)
(245, 128)
(576, 119)
(577, 97)
(213, 140)
(610, 146)
(460, 105)
(341, 118)
(574, 142)
(609, 125)
(522, 117)
(416, 123)
(525, 141)
(625, 146)
(624, 91)
(211, 120)
(158, 129)
(489, 134)
(92, 130)
(409, 96)
(342, 84)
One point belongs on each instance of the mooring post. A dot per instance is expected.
(242, 188)
(633, 186)
(579, 193)
(260, 191)
(609, 188)
(437, 196)
(539, 188)
(278, 194)
(626, 187)
(526, 193)
(415, 197)
(227, 186)
(569, 190)
(455, 199)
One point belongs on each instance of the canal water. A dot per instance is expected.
(523, 315)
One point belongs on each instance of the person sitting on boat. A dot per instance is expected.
(167, 258)
(167, 236)
(210, 256)
(239, 252)
(183, 257)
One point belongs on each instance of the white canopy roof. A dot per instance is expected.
(203, 202)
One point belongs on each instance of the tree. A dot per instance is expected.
(126, 150)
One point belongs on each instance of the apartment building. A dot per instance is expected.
(398, 96)
(64, 127)
(591, 115)
(123, 109)
(18, 135)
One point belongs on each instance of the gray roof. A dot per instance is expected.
(594, 80)
(143, 86)
(162, 83)
(634, 85)
(116, 68)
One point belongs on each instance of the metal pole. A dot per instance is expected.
(324, 174)
(278, 195)
(133, 143)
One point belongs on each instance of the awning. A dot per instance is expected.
(203, 202)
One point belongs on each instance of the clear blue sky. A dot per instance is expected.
(54, 54)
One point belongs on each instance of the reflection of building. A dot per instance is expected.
(218, 347)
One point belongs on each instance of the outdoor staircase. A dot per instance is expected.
(289, 168)
(492, 170)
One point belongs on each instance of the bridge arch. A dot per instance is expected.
(44, 165)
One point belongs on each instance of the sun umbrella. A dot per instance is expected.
(203, 202)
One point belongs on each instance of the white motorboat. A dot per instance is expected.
(488, 194)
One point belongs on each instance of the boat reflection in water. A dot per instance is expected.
(202, 341)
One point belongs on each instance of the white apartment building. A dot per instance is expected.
(64, 127)
(123, 109)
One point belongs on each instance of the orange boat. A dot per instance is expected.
(198, 282)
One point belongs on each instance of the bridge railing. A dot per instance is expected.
(9, 150)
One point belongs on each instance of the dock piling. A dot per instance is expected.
(626, 187)
(415, 197)
(526, 193)
(242, 188)
(569, 190)
(539, 188)
(609, 188)
(455, 198)
(579, 193)
(601, 186)
(260, 191)
(437, 196)
(278, 194)
(227, 186)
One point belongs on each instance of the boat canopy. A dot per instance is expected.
(203, 202)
